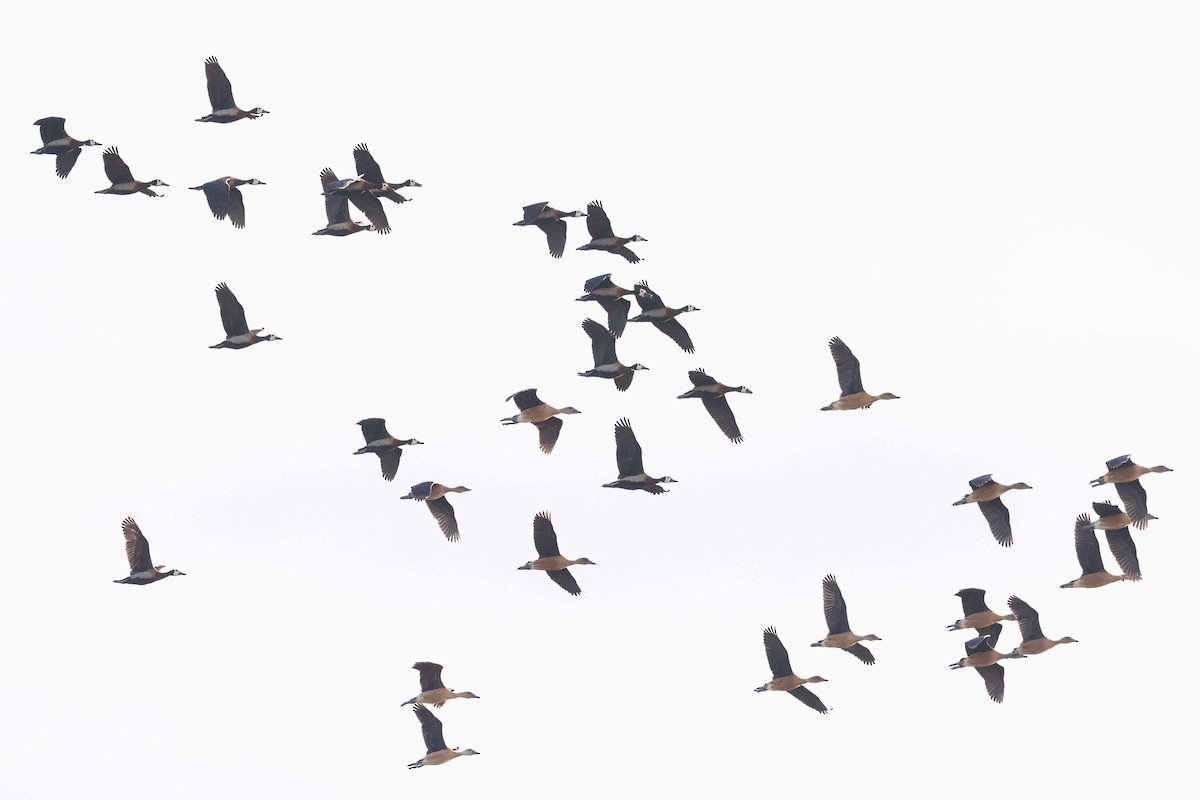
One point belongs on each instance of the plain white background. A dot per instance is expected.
(994, 207)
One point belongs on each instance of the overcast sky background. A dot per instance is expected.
(994, 207)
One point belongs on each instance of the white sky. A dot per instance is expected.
(994, 206)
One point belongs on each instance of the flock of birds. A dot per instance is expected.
(366, 189)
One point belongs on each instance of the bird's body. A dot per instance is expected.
(986, 492)
(982, 655)
(1124, 474)
(225, 199)
(611, 298)
(433, 691)
(366, 166)
(630, 473)
(850, 379)
(233, 317)
(602, 235)
(122, 179)
(604, 356)
(976, 614)
(837, 619)
(337, 212)
(435, 745)
(550, 560)
(656, 312)
(783, 679)
(137, 551)
(434, 496)
(56, 142)
(543, 416)
(551, 222)
(220, 96)
(383, 444)
(712, 394)
(1032, 641)
(360, 192)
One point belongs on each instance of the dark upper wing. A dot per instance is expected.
(996, 515)
(618, 313)
(217, 194)
(327, 177)
(548, 433)
(115, 168)
(1105, 509)
(373, 429)
(431, 729)
(525, 399)
(989, 637)
(835, 606)
(623, 381)
(597, 221)
(556, 235)
(1087, 549)
(52, 129)
(849, 374)
(1120, 542)
(777, 654)
(1119, 461)
(421, 490)
(337, 209)
(544, 538)
(993, 680)
(809, 699)
(722, 414)
(604, 345)
(237, 209)
(565, 579)
(431, 675)
(981, 481)
(860, 652)
(592, 284)
(137, 549)
(629, 452)
(373, 209)
(647, 298)
(1133, 495)
(365, 164)
(673, 328)
(64, 162)
(1027, 619)
(531, 211)
(972, 601)
(389, 463)
(220, 92)
(627, 254)
(233, 316)
(699, 377)
(443, 512)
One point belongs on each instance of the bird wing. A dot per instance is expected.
(531, 211)
(137, 549)
(699, 378)
(556, 235)
(373, 209)
(544, 538)
(548, 431)
(389, 463)
(431, 729)
(366, 165)
(237, 209)
(777, 654)
(52, 129)
(849, 372)
(565, 579)
(373, 429)
(993, 681)
(431, 675)
(835, 606)
(618, 313)
(678, 334)
(421, 490)
(988, 639)
(217, 194)
(220, 91)
(1106, 509)
(1087, 549)
(443, 512)
(647, 298)
(1119, 461)
(233, 316)
(592, 284)
(623, 381)
(996, 514)
(525, 399)
(629, 452)
(1120, 542)
(722, 414)
(64, 162)
(625, 253)
(115, 167)
(860, 652)
(972, 601)
(809, 699)
(1027, 619)
(1133, 495)
(604, 345)
(597, 221)
(981, 481)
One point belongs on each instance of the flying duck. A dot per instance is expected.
(434, 495)
(630, 474)
(976, 614)
(360, 192)
(384, 445)
(542, 415)
(137, 550)
(611, 299)
(552, 222)
(840, 635)
(367, 167)
(982, 655)
(850, 379)
(337, 212)
(122, 178)
(986, 493)
(655, 311)
(220, 95)
(56, 142)
(225, 199)
(1087, 550)
(233, 317)
(713, 394)
(433, 691)
(602, 235)
(549, 557)
(1124, 473)
(1032, 640)
(604, 356)
(783, 679)
(435, 746)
